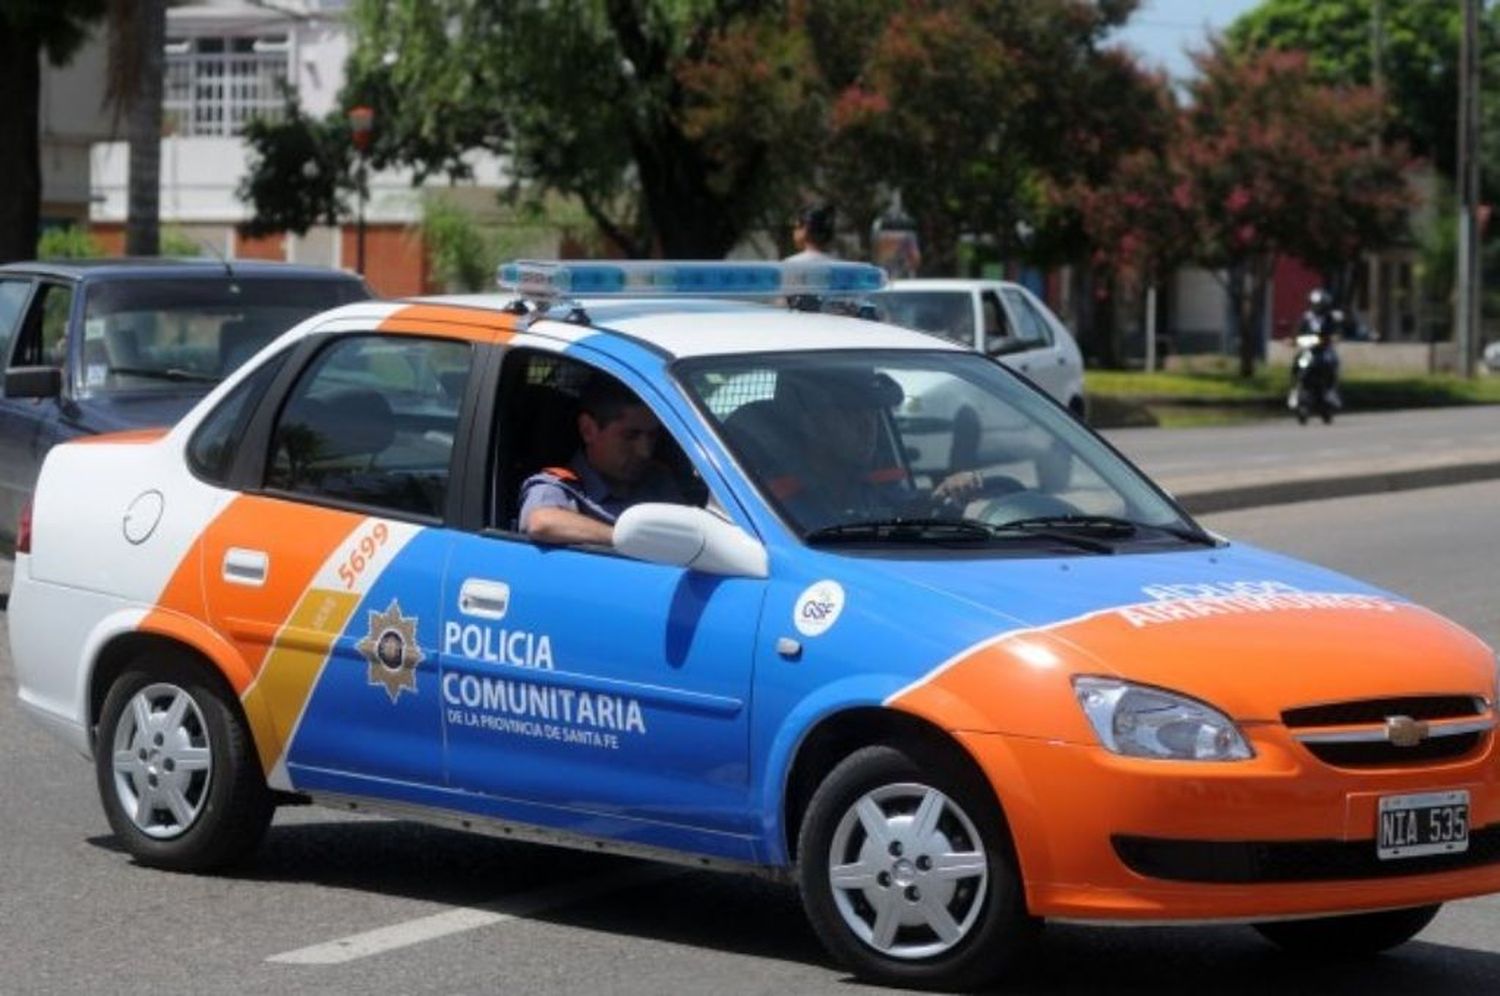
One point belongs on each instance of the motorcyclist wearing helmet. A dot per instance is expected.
(1315, 366)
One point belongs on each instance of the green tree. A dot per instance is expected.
(593, 99)
(29, 31)
(1417, 43)
(301, 172)
(1276, 164)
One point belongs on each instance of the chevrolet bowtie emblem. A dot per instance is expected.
(1403, 731)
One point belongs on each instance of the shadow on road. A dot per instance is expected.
(763, 919)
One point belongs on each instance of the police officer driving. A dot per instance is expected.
(615, 468)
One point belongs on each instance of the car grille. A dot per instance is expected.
(1246, 862)
(1376, 710)
(1355, 734)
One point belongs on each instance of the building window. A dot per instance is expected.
(214, 85)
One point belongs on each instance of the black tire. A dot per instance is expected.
(1354, 936)
(231, 806)
(995, 928)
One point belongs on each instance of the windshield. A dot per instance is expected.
(145, 335)
(949, 314)
(917, 446)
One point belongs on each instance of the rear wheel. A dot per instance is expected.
(907, 873)
(1350, 936)
(177, 769)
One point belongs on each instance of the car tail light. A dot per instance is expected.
(23, 529)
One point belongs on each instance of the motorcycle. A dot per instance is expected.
(1315, 376)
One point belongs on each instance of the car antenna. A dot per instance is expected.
(216, 254)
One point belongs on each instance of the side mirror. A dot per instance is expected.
(33, 382)
(996, 345)
(684, 536)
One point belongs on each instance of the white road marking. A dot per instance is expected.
(456, 921)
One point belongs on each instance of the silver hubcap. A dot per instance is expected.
(908, 871)
(162, 761)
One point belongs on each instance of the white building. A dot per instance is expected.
(68, 126)
(227, 61)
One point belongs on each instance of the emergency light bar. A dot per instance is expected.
(549, 281)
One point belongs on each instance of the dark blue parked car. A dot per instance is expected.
(100, 346)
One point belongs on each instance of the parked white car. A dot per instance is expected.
(997, 318)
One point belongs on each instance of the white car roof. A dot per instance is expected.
(685, 327)
(945, 283)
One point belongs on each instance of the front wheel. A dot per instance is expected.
(1356, 935)
(177, 769)
(907, 874)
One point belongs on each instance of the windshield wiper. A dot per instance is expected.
(902, 530)
(1110, 526)
(169, 373)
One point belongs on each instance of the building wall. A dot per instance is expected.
(71, 117)
(395, 259)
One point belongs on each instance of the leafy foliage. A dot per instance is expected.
(72, 242)
(1418, 45)
(1277, 164)
(301, 172)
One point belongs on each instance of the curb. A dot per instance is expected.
(1259, 494)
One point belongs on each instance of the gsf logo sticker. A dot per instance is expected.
(818, 608)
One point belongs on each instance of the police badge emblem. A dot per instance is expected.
(390, 649)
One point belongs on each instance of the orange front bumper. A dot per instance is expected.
(1066, 803)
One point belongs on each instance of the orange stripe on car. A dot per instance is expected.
(243, 632)
(469, 324)
(132, 436)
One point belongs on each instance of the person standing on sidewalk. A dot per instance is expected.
(812, 234)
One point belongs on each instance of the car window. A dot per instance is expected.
(212, 450)
(13, 294)
(151, 335)
(999, 337)
(1032, 327)
(946, 313)
(843, 439)
(44, 331)
(372, 422)
(537, 427)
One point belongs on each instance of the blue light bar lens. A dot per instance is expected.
(550, 280)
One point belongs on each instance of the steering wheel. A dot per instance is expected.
(993, 486)
(1019, 505)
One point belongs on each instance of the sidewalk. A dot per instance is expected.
(1272, 463)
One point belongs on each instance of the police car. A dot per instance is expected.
(951, 692)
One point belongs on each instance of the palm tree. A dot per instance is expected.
(133, 88)
(30, 29)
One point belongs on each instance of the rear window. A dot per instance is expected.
(949, 314)
(145, 335)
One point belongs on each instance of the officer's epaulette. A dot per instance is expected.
(562, 474)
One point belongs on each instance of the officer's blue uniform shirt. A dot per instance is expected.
(589, 493)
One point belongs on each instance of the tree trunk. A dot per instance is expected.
(1247, 293)
(143, 218)
(21, 162)
(1106, 320)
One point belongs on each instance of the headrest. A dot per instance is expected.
(353, 421)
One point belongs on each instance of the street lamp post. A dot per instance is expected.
(361, 126)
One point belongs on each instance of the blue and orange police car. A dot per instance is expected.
(908, 633)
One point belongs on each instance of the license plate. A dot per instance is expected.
(1410, 826)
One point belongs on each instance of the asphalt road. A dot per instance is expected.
(77, 916)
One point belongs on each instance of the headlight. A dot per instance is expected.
(1140, 721)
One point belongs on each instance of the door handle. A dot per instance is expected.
(246, 567)
(486, 599)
